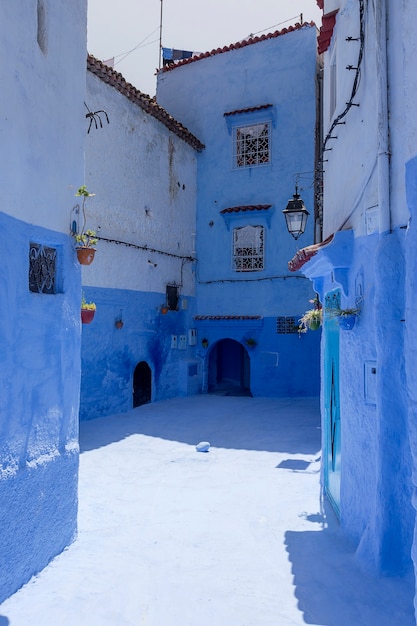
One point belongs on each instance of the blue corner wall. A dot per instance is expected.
(39, 382)
(376, 464)
(110, 354)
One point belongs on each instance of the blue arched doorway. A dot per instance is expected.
(229, 369)
(142, 384)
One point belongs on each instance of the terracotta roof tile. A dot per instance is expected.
(305, 254)
(235, 46)
(251, 207)
(250, 110)
(145, 102)
(326, 31)
(227, 317)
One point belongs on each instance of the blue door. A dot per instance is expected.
(332, 425)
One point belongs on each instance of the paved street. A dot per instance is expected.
(236, 536)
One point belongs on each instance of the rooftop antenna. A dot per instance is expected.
(160, 35)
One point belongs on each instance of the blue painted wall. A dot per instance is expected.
(281, 365)
(110, 355)
(39, 380)
(376, 465)
(410, 345)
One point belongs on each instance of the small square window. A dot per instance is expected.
(248, 249)
(42, 268)
(251, 145)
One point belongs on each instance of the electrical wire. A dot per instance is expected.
(356, 81)
(126, 54)
(275, 25)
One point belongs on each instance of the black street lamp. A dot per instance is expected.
(296, 215)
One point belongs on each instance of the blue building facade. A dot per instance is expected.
(253, 105)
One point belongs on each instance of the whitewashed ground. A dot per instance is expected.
(169, 536)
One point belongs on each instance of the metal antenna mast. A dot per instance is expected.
(160, 35)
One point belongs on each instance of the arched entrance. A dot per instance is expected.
(142, 384)
(229, 369)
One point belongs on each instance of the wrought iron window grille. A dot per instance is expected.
(42, 268)
(287, 325)
(248, 248)
(251, 145)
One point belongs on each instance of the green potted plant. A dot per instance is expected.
(312, 319)
(250, 342)
(88, 310)
(204, 343)
(85, 240)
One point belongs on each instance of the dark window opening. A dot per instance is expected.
(172, 297)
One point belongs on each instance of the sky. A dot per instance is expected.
(169, 536)
(129, 30)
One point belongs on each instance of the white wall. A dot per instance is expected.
(41, 119)
(144, 178)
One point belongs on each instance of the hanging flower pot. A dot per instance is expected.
(87, 315)
(88, 310)
(314, 324)
(347, 322)
(204, 343)
(85, 255)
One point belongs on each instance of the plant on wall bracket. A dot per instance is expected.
(85, 240)
(312, 319)
(345, 317)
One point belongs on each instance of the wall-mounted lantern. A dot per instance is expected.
(296, 215)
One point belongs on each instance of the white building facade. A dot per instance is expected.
(141, 166)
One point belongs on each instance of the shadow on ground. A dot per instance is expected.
(333, 591)
(272, 425)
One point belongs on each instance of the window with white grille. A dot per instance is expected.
(251, 145)
(248, 249)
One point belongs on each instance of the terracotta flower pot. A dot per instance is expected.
(85, 255)
(87, 316)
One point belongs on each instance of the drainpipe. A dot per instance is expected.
(381, 17)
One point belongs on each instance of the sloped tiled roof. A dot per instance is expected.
(236, 46)
(145, 102)
(250, 110)
(251, 207)
(227, 317)
(326, 31)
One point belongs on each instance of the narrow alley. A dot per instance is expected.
(236, 536)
